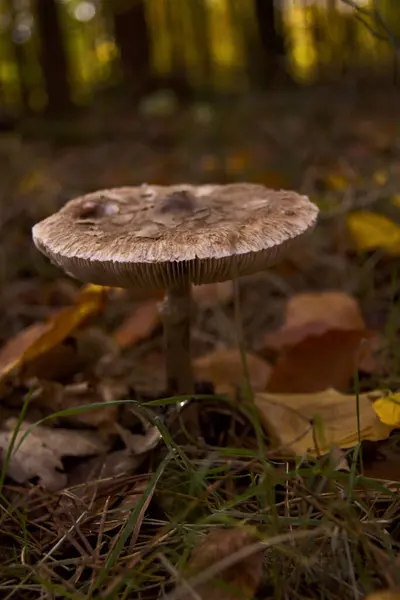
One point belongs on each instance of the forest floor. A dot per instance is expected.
(280, 480)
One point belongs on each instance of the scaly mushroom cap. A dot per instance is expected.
(163, 236)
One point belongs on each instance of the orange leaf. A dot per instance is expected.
(314, 314)
(237, 162)
(318, 362)
(317, 314)
(139, 325)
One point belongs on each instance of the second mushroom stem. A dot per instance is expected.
(177, 316)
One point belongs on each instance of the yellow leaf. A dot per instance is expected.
(384, 595)
(370, 231)
(32, 182)
(43, 337)
(337, 181)
(380, 177)
(396, 200)
(90, 301)
(388, 410)
(308, 424)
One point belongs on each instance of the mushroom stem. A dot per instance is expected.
(177, 313)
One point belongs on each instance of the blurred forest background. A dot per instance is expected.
(299, 94)
(57, 56)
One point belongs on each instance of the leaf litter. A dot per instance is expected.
(324, 395)
(36, 452)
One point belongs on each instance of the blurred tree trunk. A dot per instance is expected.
(53, 58)
(271, 38)
(133, 39)
(201, 30)
(176, 79)
(20, 59)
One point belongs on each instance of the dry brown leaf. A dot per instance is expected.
(139, 325)
(382, 461)
(54, 397)
(315, 314)
(314, 324)
(239, 581)
(139, 444)
(225, 370)
(213, 294)
(42, 338)
(39, 454)
(107, 466)
(308, 424)
(384, 595)
(318, 362)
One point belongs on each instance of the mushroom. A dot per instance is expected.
(171, 237)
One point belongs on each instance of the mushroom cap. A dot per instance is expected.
(166, 236)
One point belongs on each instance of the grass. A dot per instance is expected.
(325, 533)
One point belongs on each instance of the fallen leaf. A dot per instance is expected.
(139, 325)
(239, 581)
(380, 177)
(41, 338)
(337, 181)
(39, 454)
(225, 370)
(213, 294)
(319, 362)
(314, 314)
(38, 180)
(372, 231)
(107, 466)
(310, 315)
(90, 301)
(309, 424)
(395, 199)
(388, 410)
(54, 397)
(139, 444)
(338, 460)
(13, 350)
(384, 595)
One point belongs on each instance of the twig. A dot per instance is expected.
(379, 21)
